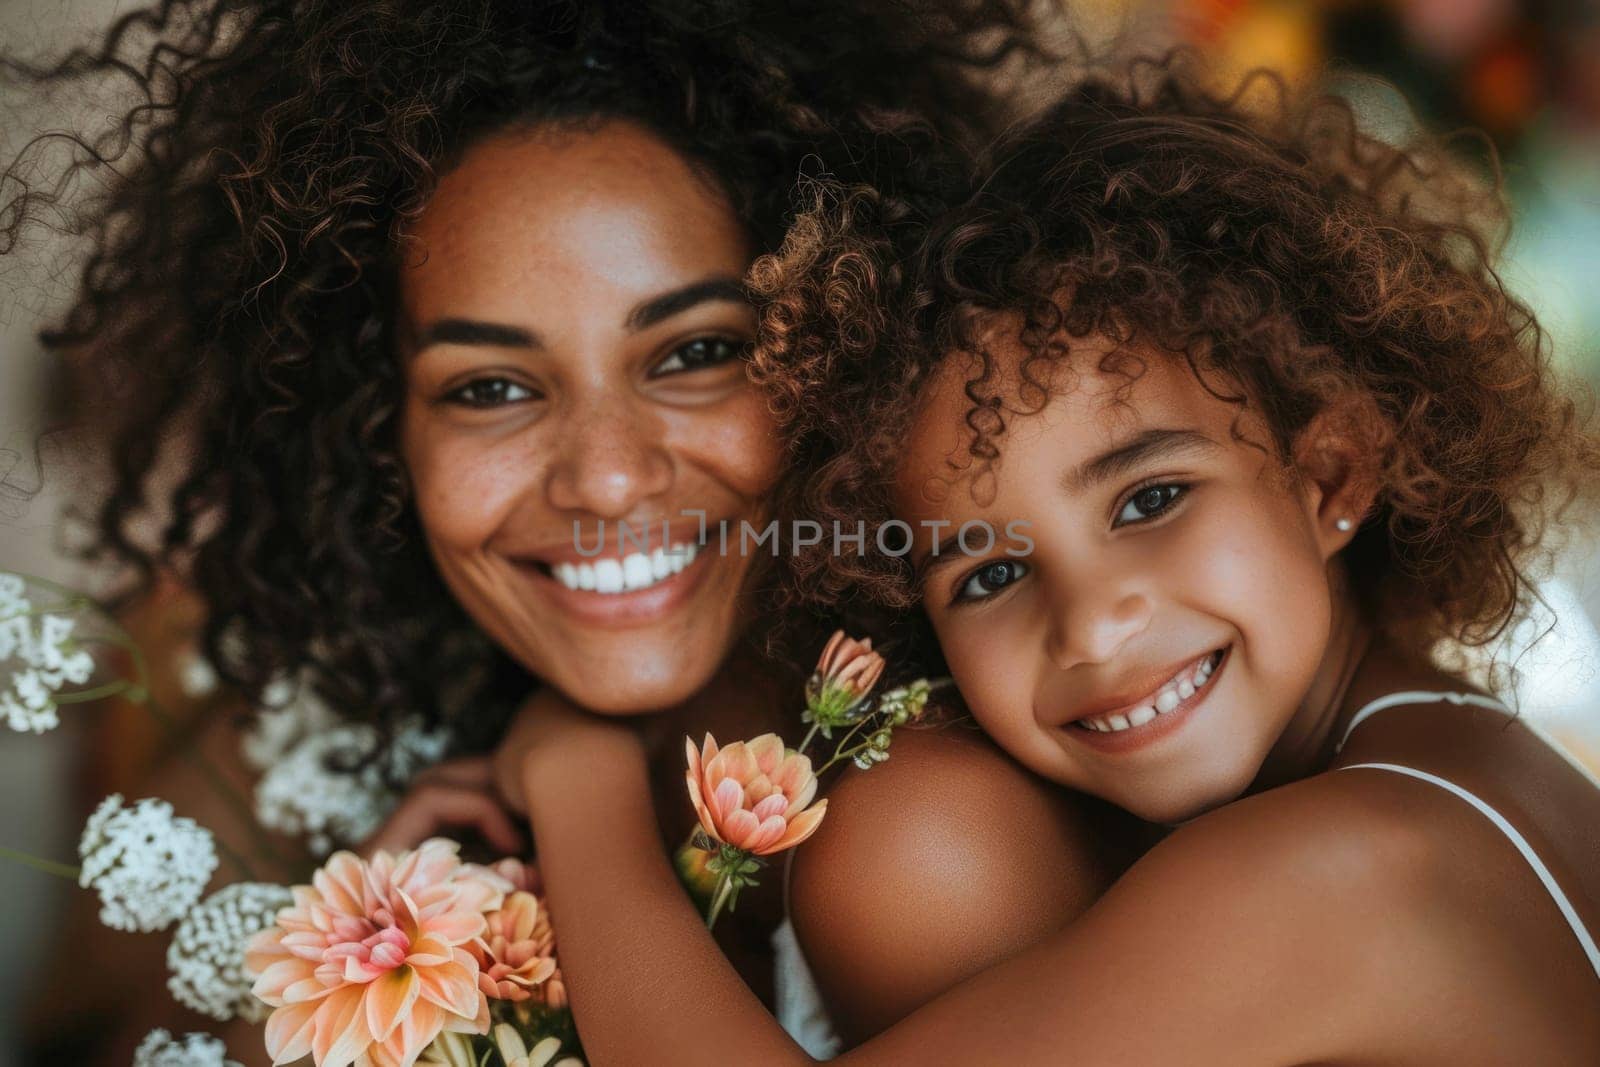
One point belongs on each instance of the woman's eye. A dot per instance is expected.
(1147, 503)
(701, 352)
(990, 579)
(489, 393)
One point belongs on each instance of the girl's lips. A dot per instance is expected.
(623, 610)
(1164, 724)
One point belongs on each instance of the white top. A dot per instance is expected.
(1568, 912)
(798, 1004)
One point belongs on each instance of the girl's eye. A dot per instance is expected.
(990, 579)
(1147, 503)
(699, 353)
(489, 393)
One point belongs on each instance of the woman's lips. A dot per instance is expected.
(1146, 722)
(651, 600)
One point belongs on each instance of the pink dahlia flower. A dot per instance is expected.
(371, 962)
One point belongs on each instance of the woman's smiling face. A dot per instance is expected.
(573, 328)
(1175, 608)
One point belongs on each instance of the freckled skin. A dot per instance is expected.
(1105, 610)
(561, 233)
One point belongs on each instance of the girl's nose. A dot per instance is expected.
(1093, 621)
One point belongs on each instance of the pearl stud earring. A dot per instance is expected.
(1343, 525)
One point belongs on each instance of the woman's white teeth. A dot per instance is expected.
(636, 570)
(1175, 692)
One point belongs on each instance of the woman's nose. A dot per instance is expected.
(611, 457)
(1093, 619)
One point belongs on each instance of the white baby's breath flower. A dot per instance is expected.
(160, 1049)
(148, 865)
(327, 790)
(206, 956)
(290, 711)
(196, 676)
(13, 595)
(37, 658)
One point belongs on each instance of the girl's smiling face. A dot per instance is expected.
(1177, 605)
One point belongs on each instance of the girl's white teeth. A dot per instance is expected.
(636, 570)
(1172, 694)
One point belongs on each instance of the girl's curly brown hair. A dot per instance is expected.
(232, 323)
(1273, 242)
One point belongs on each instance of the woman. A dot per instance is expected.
(398, 306)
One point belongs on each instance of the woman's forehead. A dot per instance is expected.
(530, 210)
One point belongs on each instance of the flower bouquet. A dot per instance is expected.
(396, 960)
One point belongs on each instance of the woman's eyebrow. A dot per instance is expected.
(1143, 447)
(660, 308)
(475, 332)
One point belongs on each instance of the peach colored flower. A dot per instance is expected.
(523, 876)
(552, 992)
(846, 672)
(516, 953)
(370, 963)
(754, 795)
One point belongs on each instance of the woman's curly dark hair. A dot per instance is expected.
(1266, 239)
(233, 315)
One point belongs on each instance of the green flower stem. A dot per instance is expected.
(840, 752)
(810, 736)
(76, 604)
(84, 696)
(60, 870)
(722, 897)
(70, 595)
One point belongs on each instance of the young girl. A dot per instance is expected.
(1278, 431)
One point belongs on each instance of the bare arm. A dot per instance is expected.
(989, 858)
(1274, 931)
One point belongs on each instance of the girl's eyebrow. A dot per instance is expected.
(1141, 448)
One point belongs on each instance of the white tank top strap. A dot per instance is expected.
(1416, 696)
(1570, 914)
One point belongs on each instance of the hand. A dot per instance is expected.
(548, 724)
(451, 795)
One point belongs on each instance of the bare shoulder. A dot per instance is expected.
(1294, 926)
(1320, 851)
(937, 863)
(1333, 882)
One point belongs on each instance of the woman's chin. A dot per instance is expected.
(643, 685)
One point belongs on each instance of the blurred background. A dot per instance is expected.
(1527, 74)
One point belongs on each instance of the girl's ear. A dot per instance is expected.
(1338, 457)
